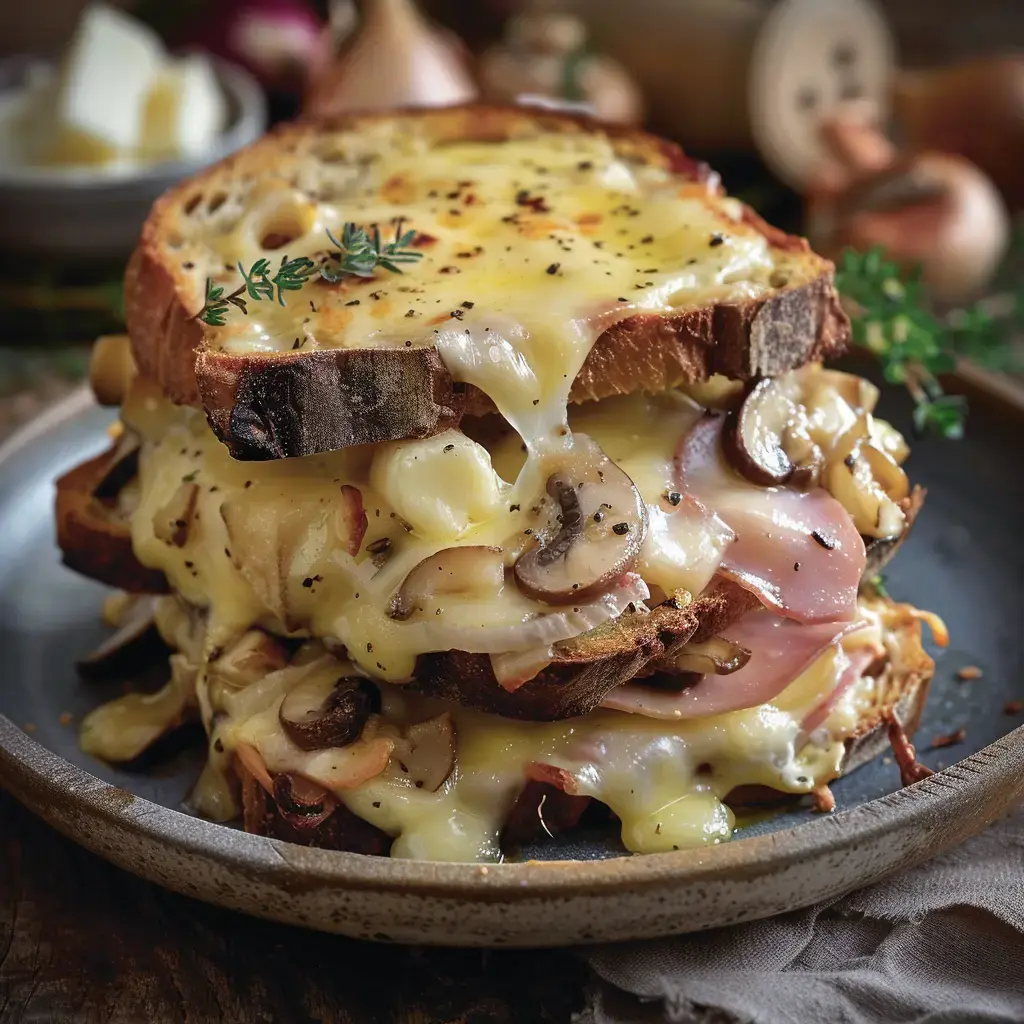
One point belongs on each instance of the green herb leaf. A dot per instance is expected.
(358, 253)
(890, 317)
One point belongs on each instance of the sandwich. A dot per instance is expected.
(478, 470)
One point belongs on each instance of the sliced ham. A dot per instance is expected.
(800, 553)
(780, 651)
(857, 662)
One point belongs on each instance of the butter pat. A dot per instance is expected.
(184, 110)
(441, 485)
(106, 77)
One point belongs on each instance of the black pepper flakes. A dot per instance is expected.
(514, 508)
(674, 497)
(553, 268)
(353, 302)
(828, 543)
(716, 240)
(620, 529)
(448, 448)
(308, 582)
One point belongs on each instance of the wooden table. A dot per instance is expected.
(81, 941)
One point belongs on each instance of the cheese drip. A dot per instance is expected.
(667, 783)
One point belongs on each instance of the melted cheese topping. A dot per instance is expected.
(535, 238)
(667, 783)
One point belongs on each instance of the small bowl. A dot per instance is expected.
(70, 213)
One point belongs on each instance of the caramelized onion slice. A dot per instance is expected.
(596, 526)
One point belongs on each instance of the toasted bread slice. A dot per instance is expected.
(354, 362)
(899, 695)
(93, 529)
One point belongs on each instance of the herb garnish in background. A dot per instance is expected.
(890, 316)
(358, 254)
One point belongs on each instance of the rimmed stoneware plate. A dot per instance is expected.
(965, 560)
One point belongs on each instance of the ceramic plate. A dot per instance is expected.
(965, 560)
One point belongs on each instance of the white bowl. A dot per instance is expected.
(72, 213)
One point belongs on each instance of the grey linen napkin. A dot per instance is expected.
(942, 943)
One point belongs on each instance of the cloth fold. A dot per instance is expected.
(942, 943)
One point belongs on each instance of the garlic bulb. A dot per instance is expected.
(395, 58)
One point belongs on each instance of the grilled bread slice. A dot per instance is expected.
(93, 512)
(514, 210)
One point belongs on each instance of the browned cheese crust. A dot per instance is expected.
(283, 405)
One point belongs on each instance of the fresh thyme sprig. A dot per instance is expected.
(891, 319)
(358, 254)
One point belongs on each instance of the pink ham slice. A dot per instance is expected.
(780, 650)
(799, 552)
(857, 662)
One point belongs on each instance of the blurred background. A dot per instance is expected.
(890, 124)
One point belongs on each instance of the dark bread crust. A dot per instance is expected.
(300, 404)
(586, 668)
(294, 404)
(880, 552)
(94, 539)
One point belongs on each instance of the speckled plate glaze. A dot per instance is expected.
(965, 560)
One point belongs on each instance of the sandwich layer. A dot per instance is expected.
(558, 260)
(434, 781)
(417, 548)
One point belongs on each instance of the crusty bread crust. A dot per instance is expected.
(881, 552)
(586, 668)
(94, 538)
(282, 405)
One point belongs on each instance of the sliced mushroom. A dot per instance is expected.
(594, 534)
(473, 569)
(171, 523)
(252, 657)
(123, 467)
(426, 754)
(136, 636)
(853, 484)
(303, 804)
(716, 656)
(351, 519)
(754, 432)
(717, 392)
(319, 712)
(820, 384)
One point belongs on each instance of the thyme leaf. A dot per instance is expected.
(357, 253)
